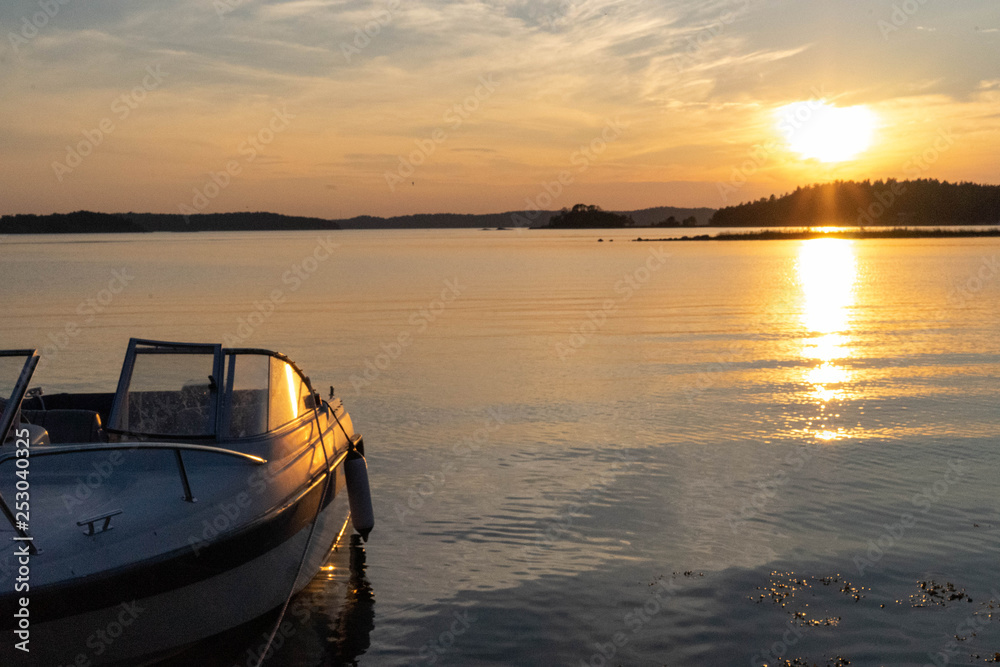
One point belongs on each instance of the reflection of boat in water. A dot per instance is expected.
(357, 619)
(328, 623)
(200, 496)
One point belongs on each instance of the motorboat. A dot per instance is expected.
(202, 494)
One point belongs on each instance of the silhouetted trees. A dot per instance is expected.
(79, 222)
(588, 216)
(870, 203)
(87, 222)
(672, 221)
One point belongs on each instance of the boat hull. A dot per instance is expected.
(138, 626)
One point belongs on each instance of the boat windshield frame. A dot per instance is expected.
(218, 409)
(13, 405)
(140, 346)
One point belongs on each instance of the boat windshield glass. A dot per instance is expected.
(248, 374)
(16, 368)
(287, 395)
(10, 370)
(265, 393)
(168, 392)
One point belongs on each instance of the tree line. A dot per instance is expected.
(583, 216)
(870, 203)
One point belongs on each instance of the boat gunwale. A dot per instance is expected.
(51, 450)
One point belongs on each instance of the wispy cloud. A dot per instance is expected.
(367, 78)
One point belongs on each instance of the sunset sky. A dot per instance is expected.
(338, 108)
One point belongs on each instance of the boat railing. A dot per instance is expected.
(176, 447)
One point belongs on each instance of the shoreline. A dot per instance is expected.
(777, 235)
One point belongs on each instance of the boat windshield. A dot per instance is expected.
(16, 369)
(186, 390)
(168, 390)
(265, 392)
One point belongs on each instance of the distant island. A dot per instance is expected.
(922, 202)
(589, 216)
(88, 222)
(582, 216)
(820, 233)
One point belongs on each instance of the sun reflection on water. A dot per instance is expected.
(827, 273)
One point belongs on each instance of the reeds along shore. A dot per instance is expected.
(894, 233)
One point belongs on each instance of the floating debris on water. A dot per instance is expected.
(933, 593)
(688, 573)
(800, 618)
(784, 585)
(838, 661)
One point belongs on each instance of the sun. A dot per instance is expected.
(821, 131)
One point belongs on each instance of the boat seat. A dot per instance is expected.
(67, 426)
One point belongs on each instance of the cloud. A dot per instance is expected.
(365, 79)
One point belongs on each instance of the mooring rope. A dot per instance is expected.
(312, 531)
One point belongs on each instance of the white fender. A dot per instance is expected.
(359, 494)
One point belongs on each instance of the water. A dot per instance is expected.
(601, 452)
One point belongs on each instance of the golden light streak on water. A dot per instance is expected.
(827, 274)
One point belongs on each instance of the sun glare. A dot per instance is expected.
(821, 131)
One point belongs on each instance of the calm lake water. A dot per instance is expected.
(583, 453)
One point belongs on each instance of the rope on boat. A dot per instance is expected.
(312, 531)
